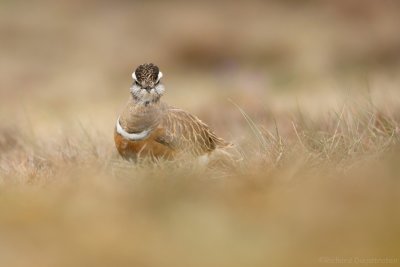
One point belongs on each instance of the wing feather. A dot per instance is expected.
(183, 131)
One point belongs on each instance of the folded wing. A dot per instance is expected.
(183, 131)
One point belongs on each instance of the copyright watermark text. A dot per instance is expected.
(358, 260)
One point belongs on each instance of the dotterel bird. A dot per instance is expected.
(149, 127)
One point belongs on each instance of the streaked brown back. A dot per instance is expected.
(183, 131)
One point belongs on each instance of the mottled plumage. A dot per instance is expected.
(149, 127)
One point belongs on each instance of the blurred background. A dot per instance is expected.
(306, 196)
(68, 61)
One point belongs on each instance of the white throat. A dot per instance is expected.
(132, 136)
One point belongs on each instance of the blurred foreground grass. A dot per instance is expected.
(327, 188)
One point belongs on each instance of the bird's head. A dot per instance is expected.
(147, 87)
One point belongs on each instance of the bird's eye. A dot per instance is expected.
(137, 83)
(157, 82)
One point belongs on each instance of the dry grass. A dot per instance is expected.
(329, 188)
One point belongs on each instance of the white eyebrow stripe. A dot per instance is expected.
(132, 136)
(160, 75)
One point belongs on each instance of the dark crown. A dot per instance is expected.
(147, 73)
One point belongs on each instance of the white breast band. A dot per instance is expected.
(132, 136)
